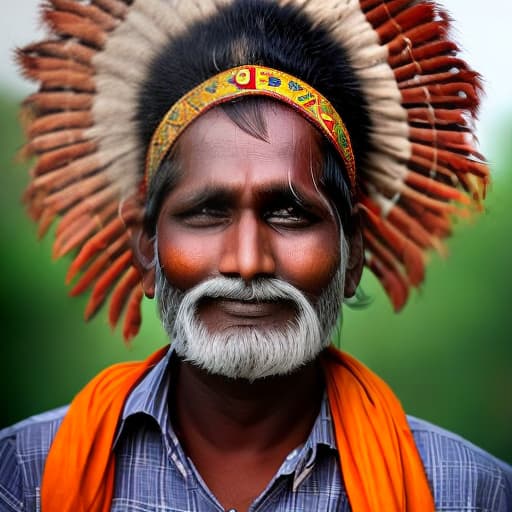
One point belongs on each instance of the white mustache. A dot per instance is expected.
(261, 290)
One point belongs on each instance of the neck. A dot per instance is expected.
(230, 414)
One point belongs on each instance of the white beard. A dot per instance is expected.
(248, 352)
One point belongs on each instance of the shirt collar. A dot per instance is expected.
(150, 397)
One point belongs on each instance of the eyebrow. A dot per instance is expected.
(225, 195)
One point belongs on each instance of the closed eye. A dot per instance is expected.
(291, 217)
(204, 217)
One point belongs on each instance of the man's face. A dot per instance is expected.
(250, 210)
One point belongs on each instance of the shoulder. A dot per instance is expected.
(23, 450)
(462, 476)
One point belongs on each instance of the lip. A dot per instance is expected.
(248, 309)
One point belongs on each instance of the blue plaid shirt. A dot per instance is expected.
(153, 472)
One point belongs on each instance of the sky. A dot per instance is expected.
(484, 37)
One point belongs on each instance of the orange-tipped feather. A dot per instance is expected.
(382, 12)
(120, 294)
(63, 199)
(90, 205)
(405, 20)
(88, 11)
(425, 51)
(105, 258)
(62, 120)
(417, 36)
(105, 282)
(404, 249)
(79, 232)
(110, 236)
(133, 317)
(54, 159)
(66, 24)
(66, 49)
(54, 101)
(117, 8)
(51, 141)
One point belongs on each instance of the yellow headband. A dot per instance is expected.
(256, 81)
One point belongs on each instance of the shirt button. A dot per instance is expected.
(232, 510)
(292, 455)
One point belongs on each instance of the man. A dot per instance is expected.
(251, 166)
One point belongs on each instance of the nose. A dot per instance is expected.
(247, 252)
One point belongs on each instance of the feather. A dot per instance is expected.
(59, 121)
(77, 191)
(117, 8)
(88, 11)
(105, 282)
(66, 24)
(101, 241)
(81, 230)
(65, 49)
(54, 140)
(425, 51)
(105, 258)
(47, 102)
(133, 317)
(60, 157)
(121, 294)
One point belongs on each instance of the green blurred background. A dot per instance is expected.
(448, 355)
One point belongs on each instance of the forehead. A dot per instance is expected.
(214, 150)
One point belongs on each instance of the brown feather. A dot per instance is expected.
(404, 249)
(459, 164)
(434, 188)
(65, 79)
(61, 157)
(45, 102)
(417, 36)
(392, 281)
(105, 258)
(469, 77)
(32, 65)
(88, 11)
(90, 205)
(79, 232)
(59, 121)
(120, 294)
(46, 219)
(52, 141)
(79, 190)
(437, 116)
(66, 24)
(133, 317)
(105, 282)
(65, 49)
(384, 11)
(429, 66)
(407, 19)
(425, 51)
(117, 8)
(111, 234)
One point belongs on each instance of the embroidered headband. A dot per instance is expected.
(250, 81)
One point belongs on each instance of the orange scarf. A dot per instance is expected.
(382, 470)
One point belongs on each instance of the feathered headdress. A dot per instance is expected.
(111, 69)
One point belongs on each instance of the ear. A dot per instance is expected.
(131, 212)
(355, 262)
(144, 258)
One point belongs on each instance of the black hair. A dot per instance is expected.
(247, 114)
(263, 33)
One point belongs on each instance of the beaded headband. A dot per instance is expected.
(250, 81)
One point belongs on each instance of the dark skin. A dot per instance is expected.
(232, 214)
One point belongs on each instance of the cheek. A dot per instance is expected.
(311, 263)
(186, 261)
